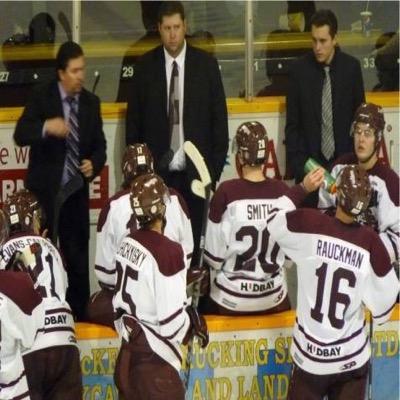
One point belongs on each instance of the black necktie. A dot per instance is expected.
(173, 108)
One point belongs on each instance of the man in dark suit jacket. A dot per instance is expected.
(304, 98)
(202, 113)
(60, 116)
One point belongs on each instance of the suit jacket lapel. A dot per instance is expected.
(83, 114)
(316, 91)
(189, 80)
(55, 104)
(160, 78)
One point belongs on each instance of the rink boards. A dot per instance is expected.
(247, 358)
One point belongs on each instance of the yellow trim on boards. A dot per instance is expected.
(216, 324)
(235, 106)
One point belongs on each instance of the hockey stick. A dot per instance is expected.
(371, 334)
(96, 81)
(73, 185)
(62, 18)
(201, 188)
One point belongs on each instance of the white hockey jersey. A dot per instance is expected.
(151, 288)
(247, 263)
(51, 280)
(340, 268)
(116, 221)
(383, 213)
(21, 317)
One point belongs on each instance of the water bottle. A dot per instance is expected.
(329, 181)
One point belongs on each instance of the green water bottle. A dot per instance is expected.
(329, 181)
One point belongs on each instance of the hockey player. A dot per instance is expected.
(21, 317)
(52, 364)
(246, 265)
(116, 221)
(153, 318)
(342, 267)
(383, 212)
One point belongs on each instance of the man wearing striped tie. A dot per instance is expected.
(325, 89)
(62, 124)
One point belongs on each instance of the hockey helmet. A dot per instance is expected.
(251, 143)
(372, 115)
(353, 190)
(3, 228)
(137, 160)
(148, 198)
(23, 211)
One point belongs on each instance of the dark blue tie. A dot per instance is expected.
(72, 158)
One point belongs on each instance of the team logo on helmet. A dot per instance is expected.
(353, 190)
(22, 209)
(251, 143)
(372, 115)
(148, 198)
(137, 160)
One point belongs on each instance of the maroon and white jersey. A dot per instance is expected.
(52, 282)
(340, 268)
(247, 264)
(116, 221)
(21, 317)
(151, 289)
(383, 212)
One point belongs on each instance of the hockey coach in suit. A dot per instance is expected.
(177, 95)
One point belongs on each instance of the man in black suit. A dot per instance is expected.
(308, 115)
(62, 124)
(192, 108)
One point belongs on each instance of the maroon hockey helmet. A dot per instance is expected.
(372, 115)
(22, 210)
(353, 190)
(251, 143)
(148, 197)
(4, 230)
(137, 160)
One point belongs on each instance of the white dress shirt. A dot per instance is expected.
(178, 162)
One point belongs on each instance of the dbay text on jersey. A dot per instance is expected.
(323, 352)
(21, 243)
(338, 252)
(55, 319)
(257, 211)
(131, 253)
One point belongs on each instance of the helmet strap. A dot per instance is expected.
(239, 166)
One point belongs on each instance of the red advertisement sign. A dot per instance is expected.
(13, 179)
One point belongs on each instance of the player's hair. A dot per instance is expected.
(325, 17)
